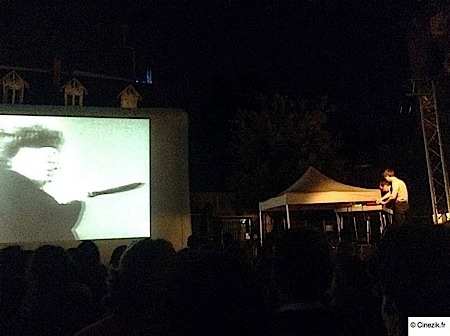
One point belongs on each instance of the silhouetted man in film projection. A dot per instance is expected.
(30, 159)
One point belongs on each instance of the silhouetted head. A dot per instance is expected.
(13, 261)
(88, 253)
(116, 255)
(141, 284)
(50, 266)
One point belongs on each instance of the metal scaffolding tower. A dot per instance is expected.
(434, 153)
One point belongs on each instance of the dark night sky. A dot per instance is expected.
(353, 51)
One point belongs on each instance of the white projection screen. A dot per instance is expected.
(132, 162)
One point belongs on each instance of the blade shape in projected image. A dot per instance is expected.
(115, 190)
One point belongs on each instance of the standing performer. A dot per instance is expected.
(397, 194)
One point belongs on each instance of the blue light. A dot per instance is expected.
(149, 76)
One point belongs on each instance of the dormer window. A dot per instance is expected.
(74, 93)
(13, 88)
(129, 97)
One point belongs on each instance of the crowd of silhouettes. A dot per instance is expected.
(300, 285)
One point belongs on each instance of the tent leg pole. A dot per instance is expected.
(260, 228)
(356, 228)
(288, 217)
(340, 223)
(382, 222)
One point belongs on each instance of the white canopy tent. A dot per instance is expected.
(314, 191)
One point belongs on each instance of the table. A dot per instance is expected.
(385, 214)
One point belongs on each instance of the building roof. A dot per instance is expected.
(45, 89)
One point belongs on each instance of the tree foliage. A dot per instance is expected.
(272, 147)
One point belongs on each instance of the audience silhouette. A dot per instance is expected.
(302, 273)
(352, 291)
(13, 261)
(300, 286)
(93, 273)
(141, 292)
(414, 274)
(55, 302)
(218, 295)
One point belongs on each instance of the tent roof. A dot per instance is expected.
(314, 181)
(313, 189)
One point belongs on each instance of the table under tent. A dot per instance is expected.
(315, 198)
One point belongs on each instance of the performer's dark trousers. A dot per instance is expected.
(401, 210)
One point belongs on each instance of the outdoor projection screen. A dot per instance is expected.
(107, 158)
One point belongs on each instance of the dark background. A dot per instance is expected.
(202, 52)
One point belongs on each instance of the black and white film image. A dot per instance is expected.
(66, 178)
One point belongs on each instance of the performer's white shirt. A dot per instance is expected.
(399, 190)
